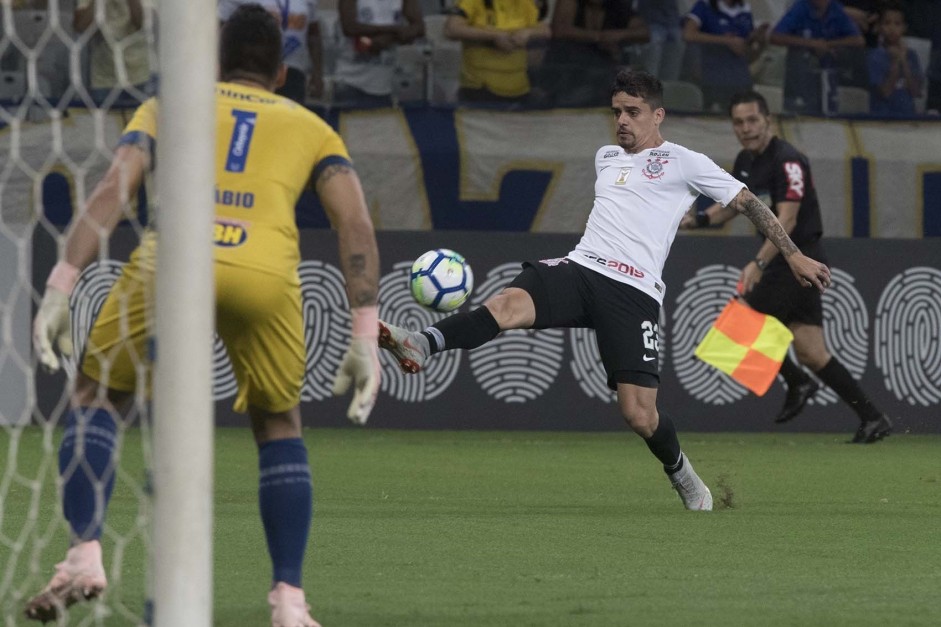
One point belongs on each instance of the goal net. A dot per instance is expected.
(71, 74)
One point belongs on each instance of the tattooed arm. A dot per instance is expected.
(807, 271)
(341, 194)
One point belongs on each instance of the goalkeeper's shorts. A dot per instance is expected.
(258, 317)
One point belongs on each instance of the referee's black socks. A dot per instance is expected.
(838, 378)
(463, 330)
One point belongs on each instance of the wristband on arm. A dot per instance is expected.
(63, 277)
(365, 321)
(702, 219)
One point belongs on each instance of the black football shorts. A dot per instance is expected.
(625, 319)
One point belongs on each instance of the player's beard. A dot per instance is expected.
(627, 140)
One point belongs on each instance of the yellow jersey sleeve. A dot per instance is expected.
(141, 131)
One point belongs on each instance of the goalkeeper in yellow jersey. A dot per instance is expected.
(268, 149)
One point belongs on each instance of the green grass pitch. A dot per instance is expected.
(449, 529)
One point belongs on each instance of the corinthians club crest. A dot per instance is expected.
(654, 168)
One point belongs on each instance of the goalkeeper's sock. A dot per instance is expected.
(665, 445)
(462, 330)
(793, 374)
(285, 498)
(838, 379)
(85, 463)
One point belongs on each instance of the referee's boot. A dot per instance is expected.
(80, 577)
(409, 349)
(872, 430)
(797, 397)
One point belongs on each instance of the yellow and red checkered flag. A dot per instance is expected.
(746, 345)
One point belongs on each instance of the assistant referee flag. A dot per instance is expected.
(746, 345)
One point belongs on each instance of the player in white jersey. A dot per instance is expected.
(612, 281)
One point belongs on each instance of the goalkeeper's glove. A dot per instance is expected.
(360, 365)
(52, 328)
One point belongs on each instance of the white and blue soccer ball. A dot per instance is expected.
(441, 280)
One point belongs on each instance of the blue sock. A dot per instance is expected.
(285, 498)
(85, 465)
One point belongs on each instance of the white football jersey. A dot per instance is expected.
(639, 202)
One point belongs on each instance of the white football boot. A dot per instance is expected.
(409, 349)
(694, 493)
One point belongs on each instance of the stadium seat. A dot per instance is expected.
(922, 48)
(682, 96)
(12, 86)
(331, 39)
(774, 95)
(412, 63)
(445, 68)
(852, 100)
(434, 28)
(769, 11)
(768, 68)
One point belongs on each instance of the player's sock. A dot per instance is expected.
(85, 461)
(838, 378)
(665, 445)
(463, 330)
(285, 498)
(793, 374)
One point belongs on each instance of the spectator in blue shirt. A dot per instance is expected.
(895, 76)
(729, 41)
(821, 40)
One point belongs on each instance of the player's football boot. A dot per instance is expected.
(79, 578)
(289, 608)
(693, 492)
(795, 400)
(409, 349)
(872, 430)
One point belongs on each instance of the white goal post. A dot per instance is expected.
(183, 407)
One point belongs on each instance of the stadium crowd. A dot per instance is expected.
(816, 57)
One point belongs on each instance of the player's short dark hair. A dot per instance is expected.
(744, 97)
(250, 43)
(639, 84)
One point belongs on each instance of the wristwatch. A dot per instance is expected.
(762, 264)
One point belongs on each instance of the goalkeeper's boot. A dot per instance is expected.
(289, 608)
(797, 397)
(872, 430)
(79, 578)
(692, 490)
(409, 349)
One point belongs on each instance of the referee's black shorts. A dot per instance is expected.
(625, 319)
(779, 294)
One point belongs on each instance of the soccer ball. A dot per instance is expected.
(441, 280)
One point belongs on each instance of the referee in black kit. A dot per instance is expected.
(779, 174)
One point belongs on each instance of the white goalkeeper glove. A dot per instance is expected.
(52, 328)
(360, 365)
